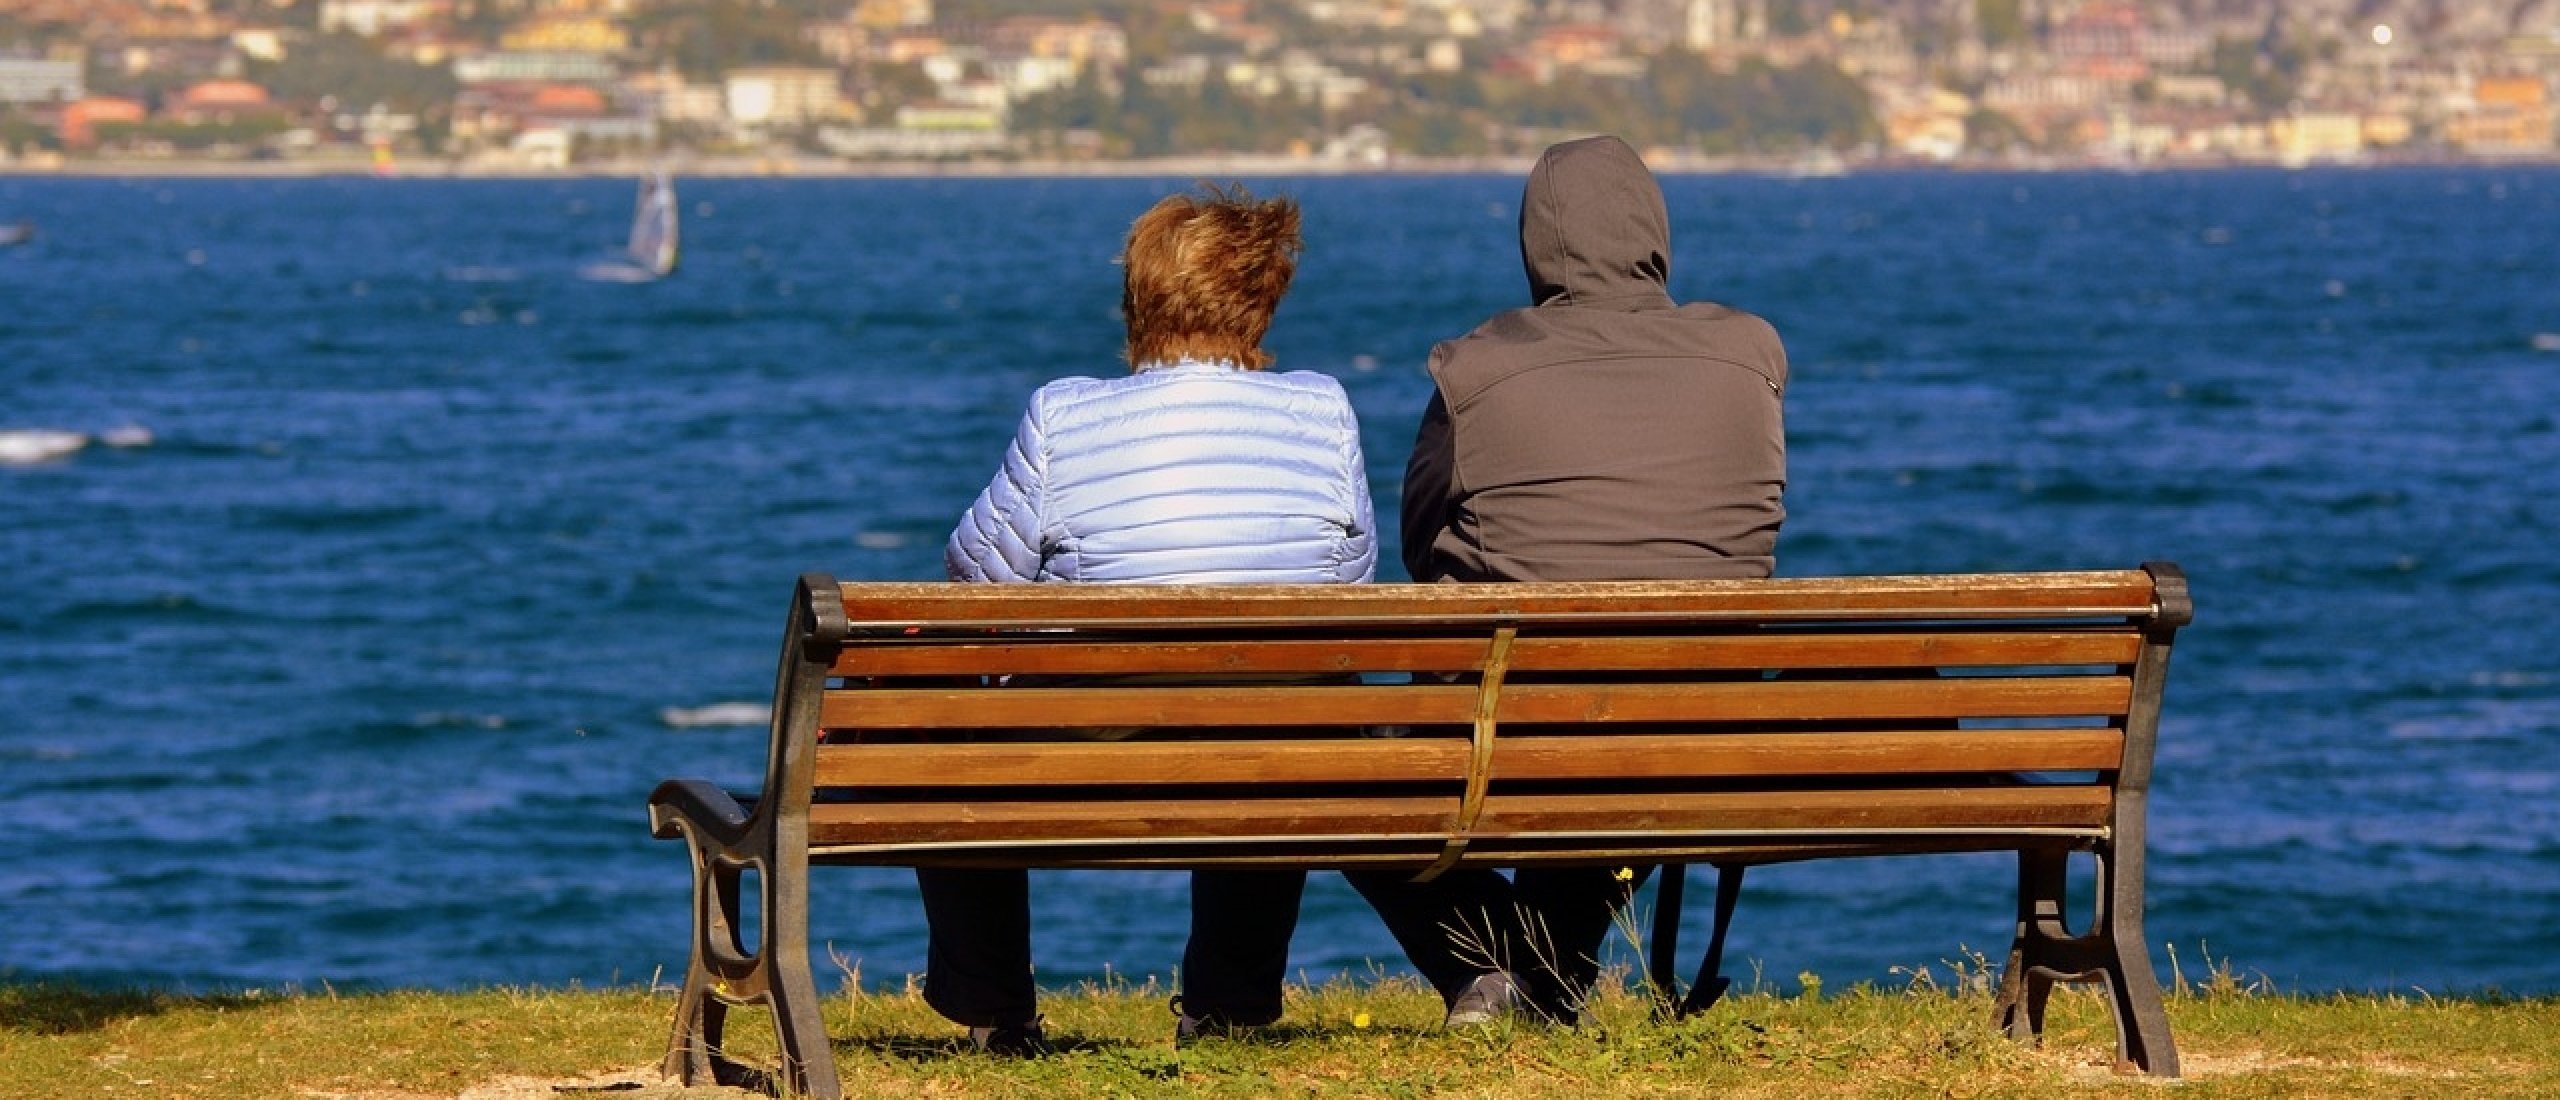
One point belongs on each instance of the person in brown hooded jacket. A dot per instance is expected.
(1604, 433)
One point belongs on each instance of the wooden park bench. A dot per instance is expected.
(1422, 727)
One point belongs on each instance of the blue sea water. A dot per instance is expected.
(360, 672)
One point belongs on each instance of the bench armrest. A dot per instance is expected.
(713, 817)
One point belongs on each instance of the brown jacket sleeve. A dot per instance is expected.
(1430, 489)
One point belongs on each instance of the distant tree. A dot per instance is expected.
(2003, 22)
(887, 86)
(1092, 102)
(19, 134)
(2268, 74)
(1437, 133)
(355, 73)
(236, 134)
(1760, 107)
(707, 38)
(1791, 16)
(1990, 131)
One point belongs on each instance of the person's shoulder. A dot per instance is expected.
(1300, 381)
(1740, 337)
(1074, 385)
(1073, 390)
(1740, 321)
(1506, 329)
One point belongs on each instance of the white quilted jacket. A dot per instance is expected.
(1189, 473)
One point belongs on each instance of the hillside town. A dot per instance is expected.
(550, 85)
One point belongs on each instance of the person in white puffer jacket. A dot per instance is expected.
(1198, 467)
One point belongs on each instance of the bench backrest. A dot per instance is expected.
(1422, 725)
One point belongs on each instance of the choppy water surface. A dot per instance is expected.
(361, 669)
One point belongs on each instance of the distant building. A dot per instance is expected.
(220, 101)
(168, 59)
(924, 130)
(1030, 76)
(782, 95)
(842, 41)
(80, 121)
(2509, 116)
(1707, 25)
(885, 14)
(535, 66)
(572, 34)
(669, 97)
(529, 117)
(2190, 90)
(2315, 137)
(2387, 129)
(373, 18)
(1298, 73)
(1923, 121)
(259, 43)
(2101, 42)
(30, 80)
(1078, 41)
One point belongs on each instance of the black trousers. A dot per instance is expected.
(1543, 924)
(978, 953)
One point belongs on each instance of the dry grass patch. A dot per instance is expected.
(1342, 1040)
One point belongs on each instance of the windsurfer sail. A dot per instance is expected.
(651, 252)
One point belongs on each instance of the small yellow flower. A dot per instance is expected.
(1626, 874)
(1359, 1019)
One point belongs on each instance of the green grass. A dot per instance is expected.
(1339, 1040)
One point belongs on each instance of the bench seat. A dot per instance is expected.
(1425, 727)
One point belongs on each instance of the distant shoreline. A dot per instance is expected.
(1157, 167)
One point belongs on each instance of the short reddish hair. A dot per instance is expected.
(1204, 273)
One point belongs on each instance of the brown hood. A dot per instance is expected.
(1604, 433)
(1610, 246)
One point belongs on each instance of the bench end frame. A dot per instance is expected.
(2113, 952)
(727, 840)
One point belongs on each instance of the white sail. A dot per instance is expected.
(653, 225)
(651, 252)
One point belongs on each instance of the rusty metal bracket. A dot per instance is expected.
(1497, 663)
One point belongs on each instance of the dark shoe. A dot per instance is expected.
(1189, 1029)
(1015, 1041)
(1486, 999)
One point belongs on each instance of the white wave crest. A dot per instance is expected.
(28, 446)
(716, 715)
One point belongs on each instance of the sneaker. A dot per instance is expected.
(1015, 1041)
(1484, 1000)
(1188, 1029)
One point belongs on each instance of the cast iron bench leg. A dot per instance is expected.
(722, 973)
(1662, 969)
(2045, 951)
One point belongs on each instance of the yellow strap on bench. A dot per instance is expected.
(1497, 661)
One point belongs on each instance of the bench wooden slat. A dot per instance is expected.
(1860, 811)
(1823, 700)
(979, 822)
(1528, 654)
(1742, 848)
(1430, 704)
(1592, 756)
(1372, 760)
(2060, 806)
(1750, 755)
(895, 608)
(1184, 705)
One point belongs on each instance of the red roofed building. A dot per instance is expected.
(220, 101)
(80, 120)
(220, 94)
(567, 99)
